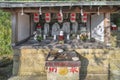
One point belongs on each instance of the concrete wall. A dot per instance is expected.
(23, 26)
(96, 64)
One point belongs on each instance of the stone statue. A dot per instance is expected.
(39, 27)
(66, 27)
(55, 29)
(74, 27)
(46, 30)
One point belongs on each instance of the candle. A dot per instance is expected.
(78, 37)
(44, 36)
(68, 37)
(54, 38)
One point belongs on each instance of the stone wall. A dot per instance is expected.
(29, 62)
(115, 64)
(96, 64)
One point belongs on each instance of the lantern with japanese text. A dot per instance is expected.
(47, 17)
(84, 17)
(73, 17)
(60, 17)
(36, 17)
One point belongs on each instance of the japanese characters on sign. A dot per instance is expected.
(73, 17)
(63, 63)
(66, 73)
(84, 17)
(47, 17)
(36, 17)
(63, 70)
(59, 17)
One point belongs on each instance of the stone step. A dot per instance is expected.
(28, 78)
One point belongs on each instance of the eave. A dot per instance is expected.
(57, 3)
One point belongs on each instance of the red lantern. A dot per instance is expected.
(84, 17)
(73, 17)
(60, 17)
(47, 17)
(36, 17)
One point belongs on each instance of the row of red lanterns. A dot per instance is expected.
(60, 17)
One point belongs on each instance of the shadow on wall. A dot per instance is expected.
(118, 38)
(83, 67)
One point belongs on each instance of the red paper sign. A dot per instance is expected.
(47, 17)
(84, 18)
(74, 70)
(52, 69)
(73, 17)
(36, 17)
(60, 17)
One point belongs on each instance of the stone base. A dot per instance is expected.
(115, 65)
(95, 63)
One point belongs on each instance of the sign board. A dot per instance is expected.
(63, 73)
(73, 17)
(47, 17)
(59, 17)
(97, 27)
(63, 70)
(36, 17)
(84, 17)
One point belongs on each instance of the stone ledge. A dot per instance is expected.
(44, 77)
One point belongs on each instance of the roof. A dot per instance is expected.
(9, 4)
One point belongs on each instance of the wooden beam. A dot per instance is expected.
(107, 32)
(67, 10)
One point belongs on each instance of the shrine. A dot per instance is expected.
(48, 35)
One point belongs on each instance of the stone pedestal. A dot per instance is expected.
(100, 64)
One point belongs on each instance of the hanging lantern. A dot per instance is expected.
(60, 17)
(73, 17)
(84, 17)
(47, 17)
(36, 17)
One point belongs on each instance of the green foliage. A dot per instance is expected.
(115, 18)
(5, 33)
(118, 22)
(39, 38)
